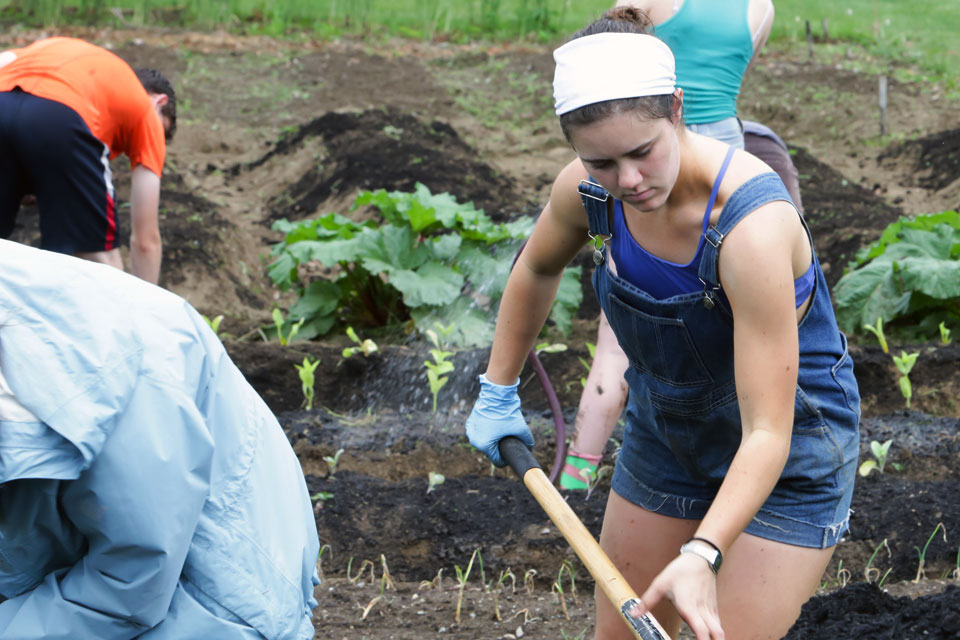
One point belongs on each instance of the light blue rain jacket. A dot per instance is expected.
(152, 493)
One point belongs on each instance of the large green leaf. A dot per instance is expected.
(868, 293)
(391, 248)
(432, 284)
(933, 277)
(283, 271)
(446, 247)
(320, 298)
(473, 326)
(569, 297)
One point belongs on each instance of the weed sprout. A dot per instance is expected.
(592, 350)
(923, 552)
(307, 380)
(436, 583)
(363, 566)
(528, 580)
(325, 547)
(507, 573)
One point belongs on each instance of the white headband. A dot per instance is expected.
(609, 66)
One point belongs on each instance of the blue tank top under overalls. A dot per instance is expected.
(681, 373)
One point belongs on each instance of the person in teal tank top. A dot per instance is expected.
(734, 482)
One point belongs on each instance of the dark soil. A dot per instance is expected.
(935, 158)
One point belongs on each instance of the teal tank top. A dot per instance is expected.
(712, 44)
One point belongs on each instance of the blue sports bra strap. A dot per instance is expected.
(754, 193)
(595, 200)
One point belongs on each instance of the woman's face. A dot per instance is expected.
(635, 159)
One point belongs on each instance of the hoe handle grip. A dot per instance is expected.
(608, 577)
(516, 454)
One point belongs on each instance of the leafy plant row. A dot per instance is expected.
(910, 278)
(427, 259)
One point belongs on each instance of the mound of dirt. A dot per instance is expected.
(392, 150)
(864, 611)
(843, 217)
(935, 159)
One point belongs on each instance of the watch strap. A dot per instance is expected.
(713, 556)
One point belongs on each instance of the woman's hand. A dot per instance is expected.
(690, 584)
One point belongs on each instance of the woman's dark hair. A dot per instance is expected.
(155, 82)
(618, 20)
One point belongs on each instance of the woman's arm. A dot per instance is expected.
(560, 232)
(757, 273)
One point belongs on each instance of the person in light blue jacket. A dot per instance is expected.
(146, 491)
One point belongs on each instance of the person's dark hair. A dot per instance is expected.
(155, 82)
(618, 20)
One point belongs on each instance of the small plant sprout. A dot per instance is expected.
(437, 370)
(956, 572)
(280, 323)
(325, 547)
(877, 330)
(333, 461)
(366, 609)
(944, 333)
(506, 573)
(528, 580)
(594, 477)
(363, 566)
(366, 347)
(215, 324)
(905, 362)
(921, 574)
(546, 347)
(307, 380)
(880, 452)
(322, 496)
(386, 580)
(871, 572)
(592, 350)
(436, 583)
(434, 480)
(558, 587)
(462, 576)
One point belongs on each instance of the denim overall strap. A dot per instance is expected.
(754, 193)
(596, 202)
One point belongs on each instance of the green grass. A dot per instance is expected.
(918, 33)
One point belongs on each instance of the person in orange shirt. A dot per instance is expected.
(67, 107)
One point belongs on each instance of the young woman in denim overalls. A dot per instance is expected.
(742, 424)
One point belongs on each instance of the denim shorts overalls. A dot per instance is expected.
(683, 418)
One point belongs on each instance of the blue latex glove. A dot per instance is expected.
(496, 415)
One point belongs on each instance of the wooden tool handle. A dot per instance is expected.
(607, 576)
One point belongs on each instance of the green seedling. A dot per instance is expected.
(363, 566)
(594, 478)
(558, 587)
(437, 370)
(386, 580)
(279, 322)
(592, 350)
(956, 572)
(325, 547)
(842, 577)
(871, 572)
(462, 577)
(366, 610)
(434, 480)
(944, 333)
(904, 363)
(507, 573)
(546, 347)
(333, 461)
(307, 380)
(436, 583)
(877, 330)
(923, 553)
(322, 496)
(880, 452)
(215, 324)
(579, 636)
(366, 346)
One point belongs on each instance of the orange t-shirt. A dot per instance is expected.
(100, 87)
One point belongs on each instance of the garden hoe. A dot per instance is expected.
(607, 576)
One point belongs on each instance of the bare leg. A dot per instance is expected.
(640, 543)
(112, 257)
(763, 584)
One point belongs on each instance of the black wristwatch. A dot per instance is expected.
(713, 556)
